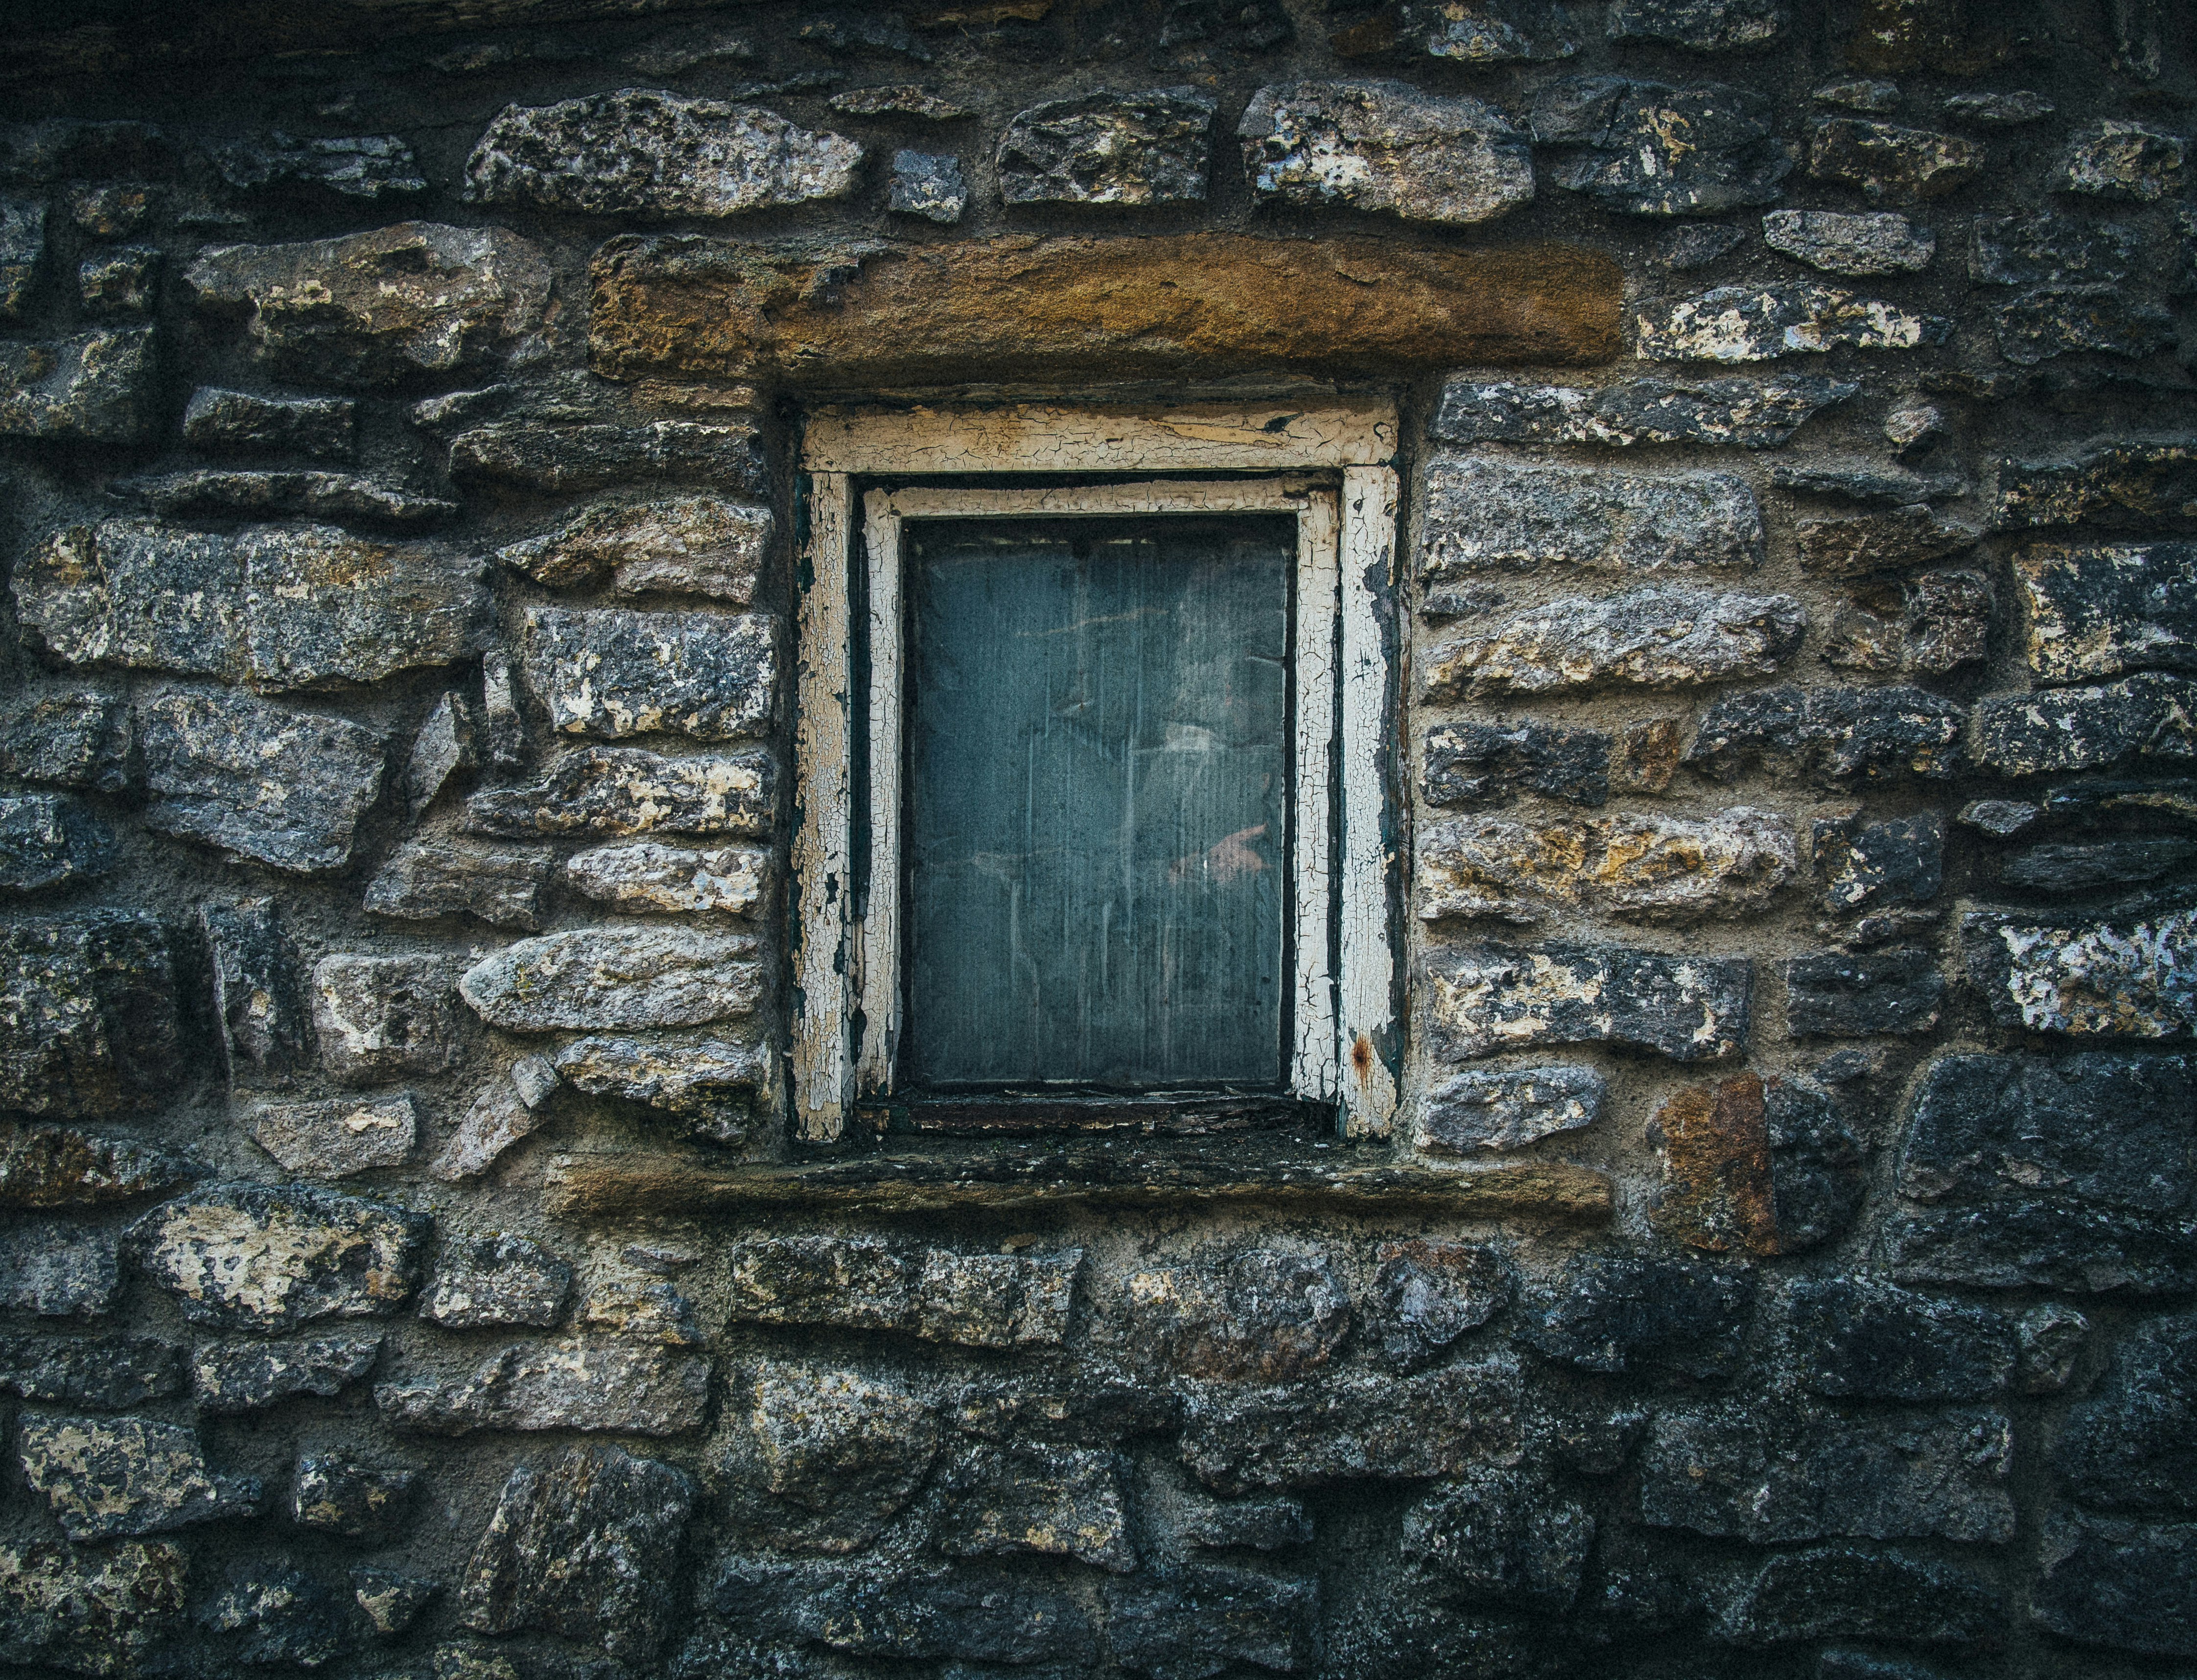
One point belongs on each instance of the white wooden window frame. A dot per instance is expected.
(847, 958)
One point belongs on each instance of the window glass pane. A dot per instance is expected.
(1096, 832)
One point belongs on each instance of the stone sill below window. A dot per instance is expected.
(939, 1176)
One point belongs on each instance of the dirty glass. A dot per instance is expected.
(1096, 834)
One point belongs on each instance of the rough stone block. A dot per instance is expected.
(929, 184)
(369, 167)
(82, 740)
(1887, 161)
(346, 497)
(1854, 546)
(1508, 1109)
(96, 387)
(383, 307)
(498, 1117)
(243, 1376)
(1261, 1524)
(2044, 1243)
(711, 1086)
(441, 747)
(585, 1545)
(1839, 994)
(1843, 1592)
(434, 876)
(391, 1602)
(1871, 865)
(1700, 26)
(257, 992)
(978, 1300)
(1717, 1193)
(1648, 149)
(482, 1282)
(382, 1018)
(1259, 1316)
(1482, 998)
(88, 1021)
(99, 1613)
(560, 459)
(2133, 1446)
(43, 1167)
(1037, 1501)
(2079, 868)
(1359, 1428)
(1486, 514)
(50, 840)
(1751, 414)
(1769, 1473)
(980, 1617)
(1816, 1161)
(1831, 732)
(1659, 638)
(335, 1139)
(1497, 1535)
(618, 790)
(278, 1617)
(334, 1494)
(647, 152)
(269, 1258)
(2043, 248)
(2100, 320)
(1381, 145)
(2099, 613)
(1641, 867)
(1427, 1293)
(2128, 486)
(826, 1458)
(1142, 148)
(1741, 323)
(1634, 1314)
(691, 545)
(282, 607)
(261, 782)
(1880, 243)
(1206, 1619)
(1855, 1338)
(1476, 763)
(597, 1384)
(2052, 1338)
(2152, 715)
(22, 249)
(650, 876)
(2127, 1586)
(2134, 978)
(2104, 1128)
(2114, 159)
(59, 1270)
(107, 1478)
(243, 422)
(616, 979)
(108, 1372)
(613, 674)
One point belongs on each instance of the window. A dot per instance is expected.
(1091, 765)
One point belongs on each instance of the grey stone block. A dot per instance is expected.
(1752, 413)
(246, 1376)
(107, 1478)
(1385, 146)
(1632, 158)
(1747, 323)
(1658, 638)
(382, 1018)
(613, 674)
(610, 792)
(1482, 998)
(262, 782)
(93, 1026)
(382, 308)
(1509, 1109)
(1141, 149)
(269, 1258)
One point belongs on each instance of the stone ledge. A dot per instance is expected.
(685, 306)
(606, 1186)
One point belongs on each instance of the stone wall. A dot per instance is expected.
(1783, 1265)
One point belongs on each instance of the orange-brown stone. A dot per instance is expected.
(690, 307)
(1717, 1193)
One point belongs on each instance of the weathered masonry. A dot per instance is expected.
(1080, 838)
